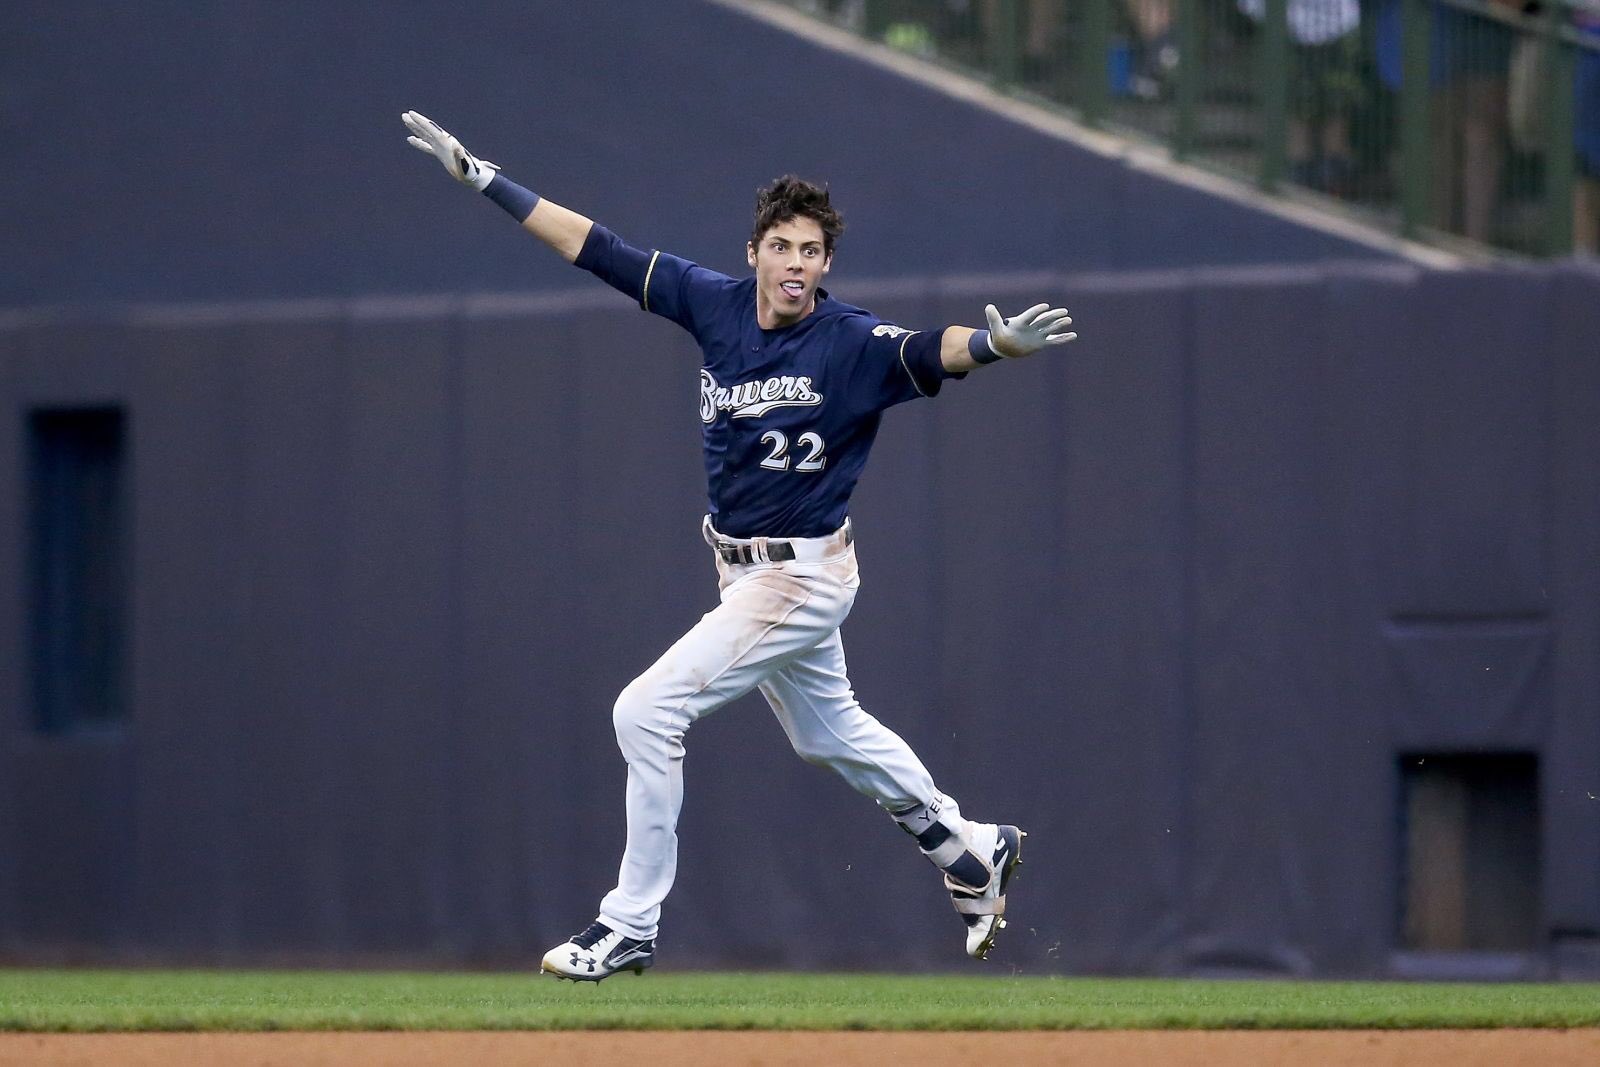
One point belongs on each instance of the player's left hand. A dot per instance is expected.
(428, 136)
(1031, 331)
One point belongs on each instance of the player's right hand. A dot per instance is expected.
(427, 136)
(1024, 334)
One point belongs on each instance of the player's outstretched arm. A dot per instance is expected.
(1034, 330)
(561, 228)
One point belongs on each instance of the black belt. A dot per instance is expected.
(777, 552)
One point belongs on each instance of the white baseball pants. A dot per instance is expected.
(777, 628)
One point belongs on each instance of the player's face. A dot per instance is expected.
(789, 262)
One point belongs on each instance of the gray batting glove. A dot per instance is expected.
(1023, 335)
(464, 167)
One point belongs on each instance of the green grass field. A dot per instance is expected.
(38, 1000)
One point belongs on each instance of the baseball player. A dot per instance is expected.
(792, 386)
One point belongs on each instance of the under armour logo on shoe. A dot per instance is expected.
(576, 960)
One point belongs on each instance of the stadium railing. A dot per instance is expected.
(1441, 119)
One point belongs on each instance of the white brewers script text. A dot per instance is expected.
(752, 399)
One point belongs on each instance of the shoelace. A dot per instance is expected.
(594, 932)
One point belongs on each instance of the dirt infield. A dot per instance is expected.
(1367, 1048)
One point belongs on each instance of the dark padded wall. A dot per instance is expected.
(222, 149)
(1573, 836)
(1175, 600)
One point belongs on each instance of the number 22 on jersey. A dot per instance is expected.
(778, 458)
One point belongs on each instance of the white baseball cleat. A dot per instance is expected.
(598, 953)
(999, 851)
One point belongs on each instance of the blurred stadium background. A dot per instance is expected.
(335, 511)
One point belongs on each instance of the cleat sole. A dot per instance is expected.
(1005, 879)
(637, 968)
(983, 949)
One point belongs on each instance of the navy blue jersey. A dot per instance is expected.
(788, 415)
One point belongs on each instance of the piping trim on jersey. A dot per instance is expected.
(903, 363)
(644, 298)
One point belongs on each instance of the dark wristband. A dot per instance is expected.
(978, 347)
(511, 196)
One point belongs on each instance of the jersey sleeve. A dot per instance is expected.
(892, 364)
(671, 287)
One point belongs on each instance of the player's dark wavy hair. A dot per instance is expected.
(789, 198)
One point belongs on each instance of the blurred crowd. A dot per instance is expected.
(1488, 82)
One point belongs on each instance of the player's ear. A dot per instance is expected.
(750, 252)
(828, 262)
